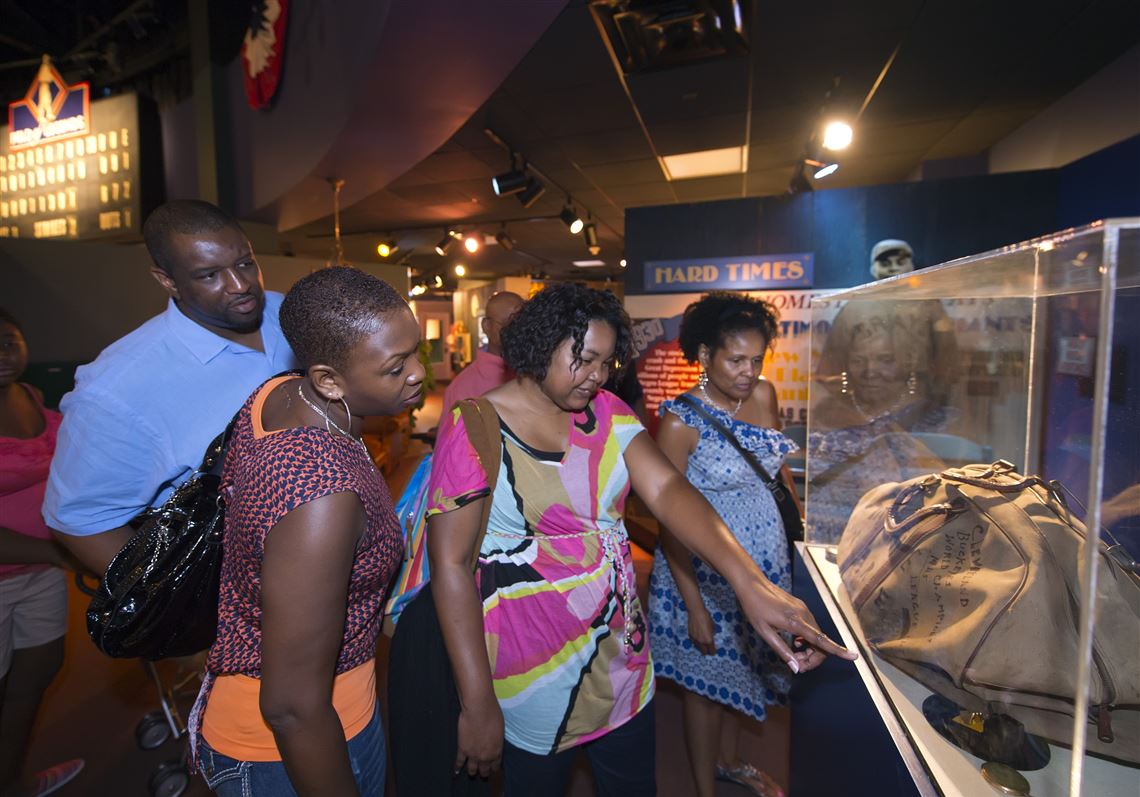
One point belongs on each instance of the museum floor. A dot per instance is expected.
(94, 706)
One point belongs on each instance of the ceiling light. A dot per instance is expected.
(460, 270)
(444, 244)
(706, 163)
(588, 263)
(622, 262)
(824, 170)
(590, 232)
(387, 248)
(837, 135)
(532, 193)
(418, 290)
(438, 281)
(504, 240)
(509, 183)
(571, 220)
(471, 243)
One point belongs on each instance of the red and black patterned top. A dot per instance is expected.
(266, 476)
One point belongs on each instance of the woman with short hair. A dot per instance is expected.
(311, 541)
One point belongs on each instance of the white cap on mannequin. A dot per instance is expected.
(890, 257)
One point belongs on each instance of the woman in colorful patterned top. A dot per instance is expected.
(311, 541)
(548, 642)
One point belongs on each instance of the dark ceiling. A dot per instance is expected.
(966, 74)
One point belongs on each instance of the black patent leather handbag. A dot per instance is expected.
(159, 596)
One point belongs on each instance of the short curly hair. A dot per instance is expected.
(556, 313)
(328, 312)
(720, 314)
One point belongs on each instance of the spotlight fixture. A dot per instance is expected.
(510, 182)
(460, 270)
(590, 232)
(418, 289)
(837, 135)
(622, 262)
(821, 169)
(571, 220)
(532, 193)
(387, 248)
(445, 243)
(472, 243)
(437, 282)
(504, 240)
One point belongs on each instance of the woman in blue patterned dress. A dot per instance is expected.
(699, 637)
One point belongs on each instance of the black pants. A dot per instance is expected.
(423, 708)
(623, 762)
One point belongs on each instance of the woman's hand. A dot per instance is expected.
(480, 742)
(702, 630)
(771, 610)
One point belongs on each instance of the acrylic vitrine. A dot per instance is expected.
(1029, 357)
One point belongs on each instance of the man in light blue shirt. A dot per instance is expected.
(142, 414)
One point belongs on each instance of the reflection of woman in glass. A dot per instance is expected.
(882, 372)
(695, 623)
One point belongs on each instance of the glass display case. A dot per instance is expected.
(973, 510)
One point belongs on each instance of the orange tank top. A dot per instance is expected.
(232, 723)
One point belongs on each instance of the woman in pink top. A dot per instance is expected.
(33, 589)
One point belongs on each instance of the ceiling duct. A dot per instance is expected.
(647, 35)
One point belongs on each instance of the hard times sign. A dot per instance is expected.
(748, 272)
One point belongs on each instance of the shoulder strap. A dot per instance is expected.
(749, 457)
(482, 425)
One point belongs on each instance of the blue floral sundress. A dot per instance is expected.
(744, 674)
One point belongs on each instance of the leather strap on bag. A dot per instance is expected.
(482, 425)
(749, 457)
(789, 514)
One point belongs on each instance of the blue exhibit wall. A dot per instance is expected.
(1103, 185)
(942, 219)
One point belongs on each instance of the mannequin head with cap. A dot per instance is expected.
(890, 257)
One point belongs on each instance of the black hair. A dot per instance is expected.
(182, 217)
(8, 318)
(719, 314)
(328, 312)
(556, 313)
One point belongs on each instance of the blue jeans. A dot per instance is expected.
(228, 777)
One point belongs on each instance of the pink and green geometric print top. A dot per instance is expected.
(567, 666)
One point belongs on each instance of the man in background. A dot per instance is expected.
(488, 370)
(142, 414)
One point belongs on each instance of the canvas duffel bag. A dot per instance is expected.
(968, 580)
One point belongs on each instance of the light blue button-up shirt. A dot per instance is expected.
(140, 417)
